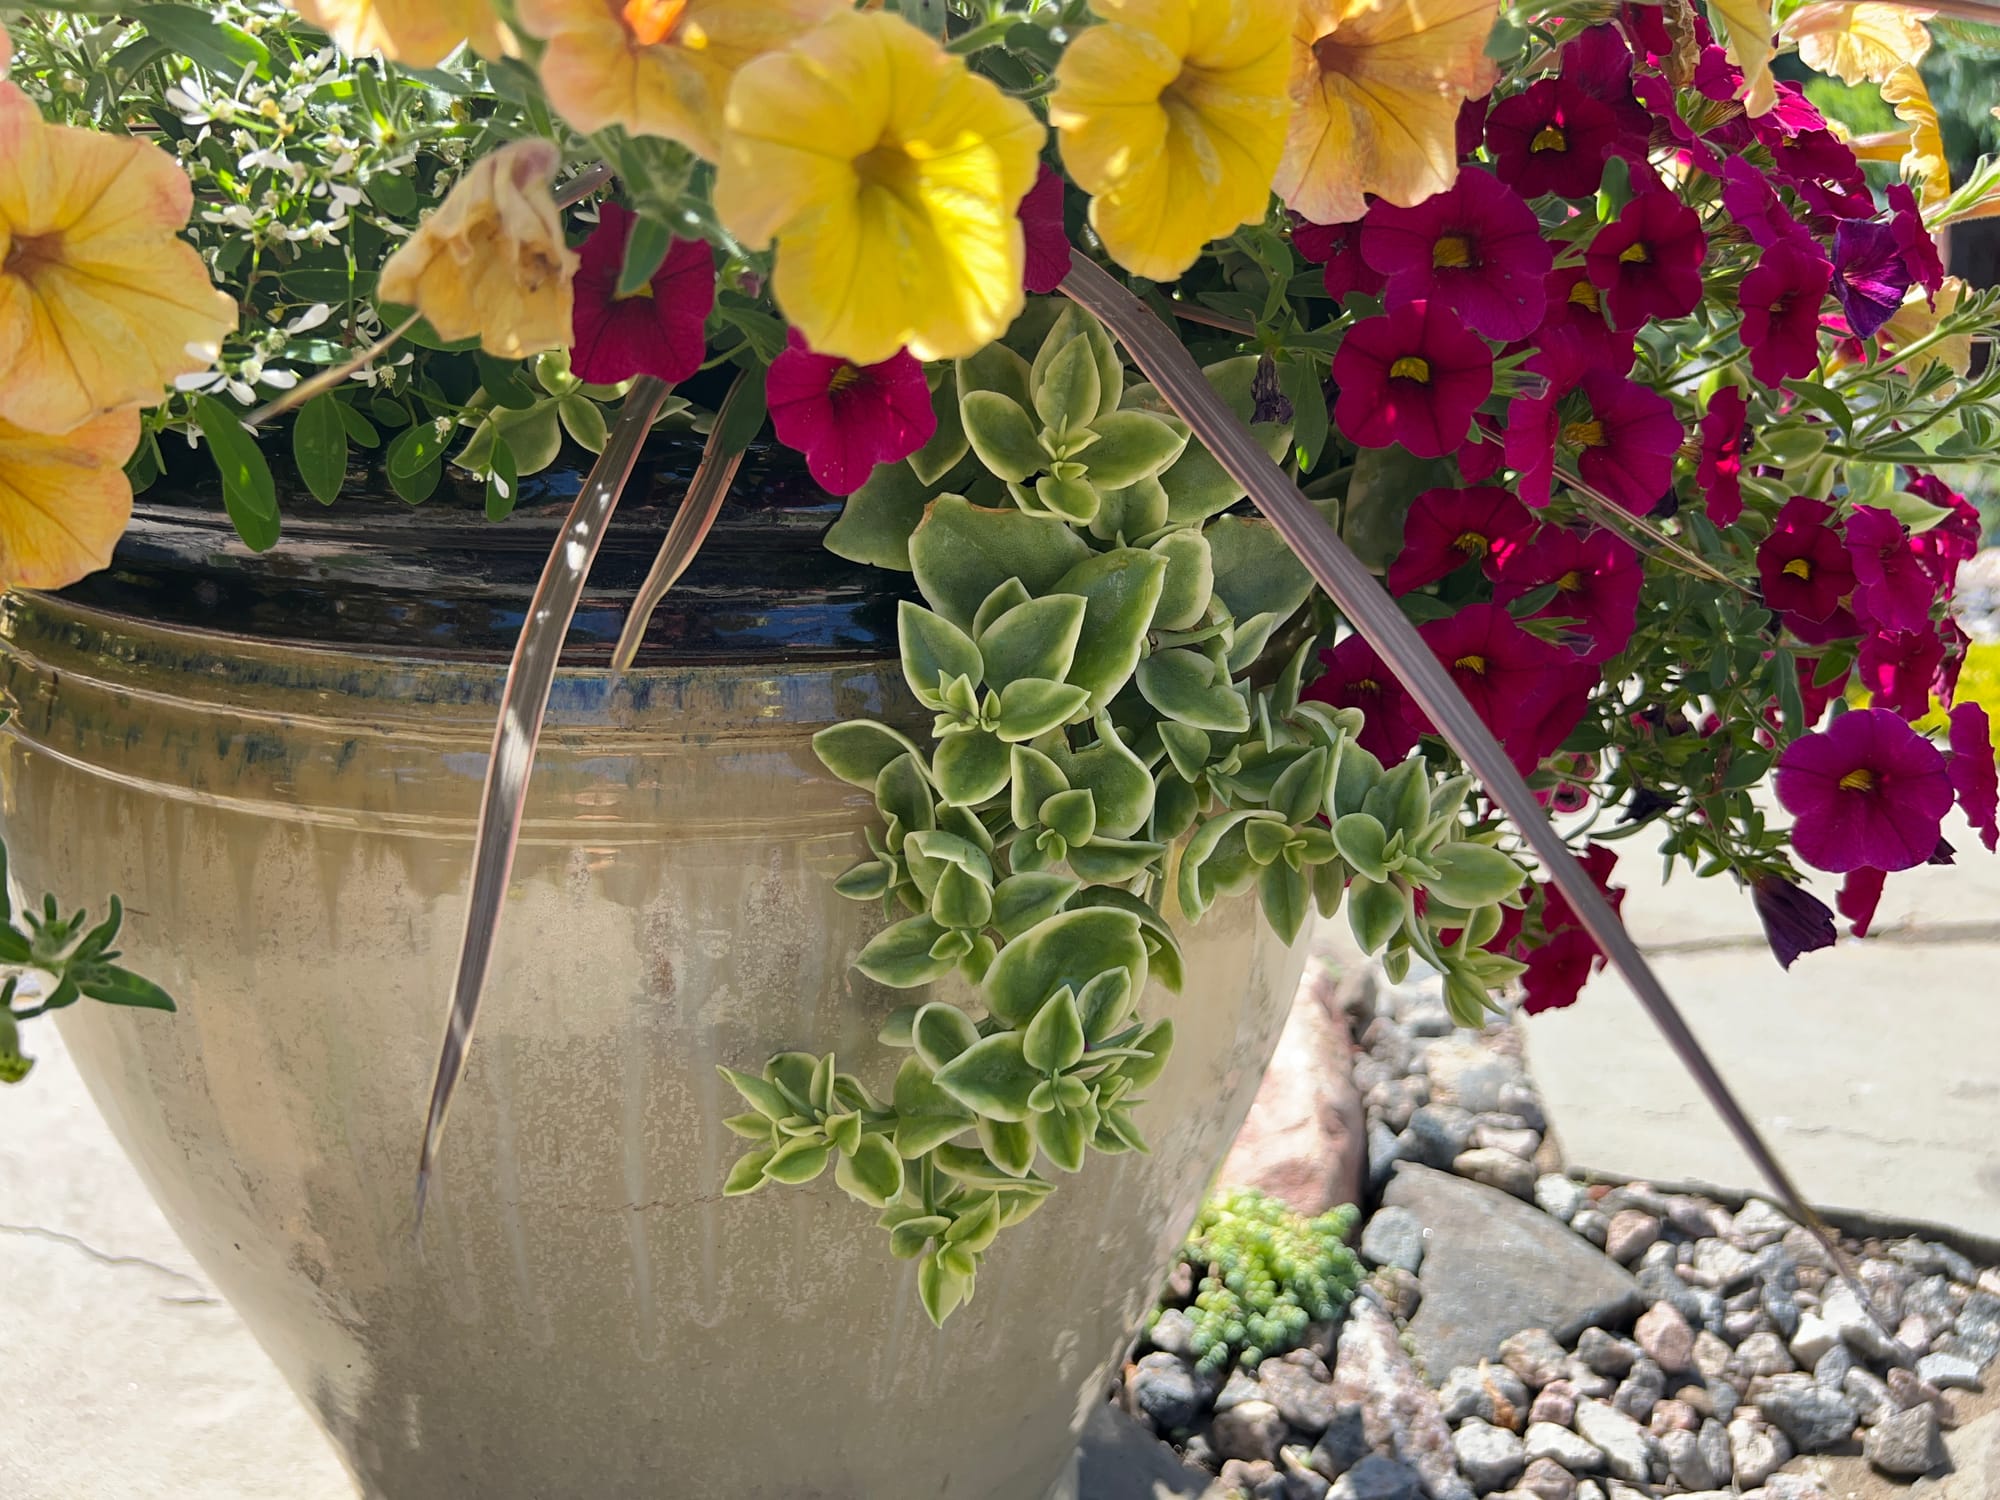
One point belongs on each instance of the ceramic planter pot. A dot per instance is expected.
(287, 811)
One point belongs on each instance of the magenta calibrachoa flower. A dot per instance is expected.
(1753, 206)
(1869, 274)
(1505, 673)
(1446, 529)
(1597, 578)
(1975, 776)
(657, 330)
(1919, 250)
(1803, 564)
(1044, 236)
(1354, 676)
(1898, 666)
(1780, 300)
(1574, 329)
(1623, 435)
(1795, 921)
(1860, 894)
(1648, 260)
(1412, 376)
(1552, 137)
(847, 418)
(1867, 790)
(1475, 248)
(1338, 248)
(1891, 586)
(1719, 469)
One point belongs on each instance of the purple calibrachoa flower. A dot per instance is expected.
(1475, 248)
(1803, 564)
(1780, 299)
(1891, 586)
(1898, 666)
(1552, 137)
(1412, 376)
(1648, 259)
(1719, 469)
(1866, 791)
(1920, 251)
(1975, 776)
(1869, 274)
(1794, 921)
(1446, 529)
(1753, 205)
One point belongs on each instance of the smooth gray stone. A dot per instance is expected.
(1120, 1460)
(1495, 1265)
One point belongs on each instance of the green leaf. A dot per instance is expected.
(1067, 387)
(1064, 1135)
(743, 415)
(1131, 446)
(1189, 581)
(991, 1077)
(1073, 814)
(1287, 897)
(876, 520)
(1034, 639)
(1375, 912)
(1002, 435)
(900, 955)
(933, 648)
(219, 47)
(1124, 515)
(319, 447)
(583, 419)
(248, 493)
(798, 1161)
(1009, 1146)
(1297, 793)
(903, 792)
(1070, 948)
(1119, 784)
(1300, 378)
(1186, 685)
(962, 899)
(1121, 590)
(1108, 861)
(857, 750)
(1053, 1041)
(998, 369)
(112, 985)
(1033, 706)
(1255, 571)
(970, 767)
(873, 1173)
(1187, 748)
(503, 482)
(948, 444)
(1020, 901)
(746, 1174)
(1069, 497)
(1265, 838)
(1361, 840)
(939, 1289)
(908, 1239)
(645, 251)
(1471, 875)
(962, 552)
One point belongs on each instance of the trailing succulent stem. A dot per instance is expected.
(1113, 666)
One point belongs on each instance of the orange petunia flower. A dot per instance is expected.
(421, 33)
(64, 500)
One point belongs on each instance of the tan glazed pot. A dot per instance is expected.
(290, 827)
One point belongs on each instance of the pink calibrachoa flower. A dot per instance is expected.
(1354, 676)
(1975, 776)
(1780, 299)
(848, 418)
(1475, 248)
(1045, 238)
(1867, 790)
(1898, 666)
(1504, 672)
(1338, 248)
(1551, 138)
(1869, 274)
(1412, 376)
(1719, 470)
(655, 331)
(1597, 579)
(1446, 529)
(1860, 894)
(1891, 586)
(1941, 548)
(1803, 563)
(1920, 251)
(1794, 921)
(1648, 260)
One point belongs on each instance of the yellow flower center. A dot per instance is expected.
(890, 168)
(1549, 138)
(1583, 434)
(1471, 543)
(1633, 255)
(842, 378)
(1800, 568)
(1583, 294)
(1411, 367)
(651, 22)
(1570, 582)
(1368, 685)
(1452, 251)
(1475, 664)
(1860, 779)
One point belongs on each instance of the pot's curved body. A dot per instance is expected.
(585, 1315)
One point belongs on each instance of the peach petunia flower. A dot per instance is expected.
(101, 303)
(658, 67)
(421, 33)
(491, 261)
(64, 500)
(1376, 89)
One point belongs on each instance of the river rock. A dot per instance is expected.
(1978, 1327)
(1687, 1463)
(1606, 1353)
(1163, 1388)
(1378, 1478)
(1813, 1417)
(1869, 1393)
(1345, 1442)
(1559, 1445)
(1762, 1354)
(1492, 1393)
(1490, 1457)
(1304, 1140)
(1815, 1336)
(1371, 1362)
(1665, 1336)
(1469, 1074)
(1250, 1431)
(1713, 1440)
(1301, 1482)
(1306, 1403)
(1627, 1447)
(1173, 1331)
(1255, 1478)
(1949, 1372)
(1393, 1237)
(1554, 1402)
(1493, 1265)
(1545, 1479)
(1905, 1443)
(1632, 1233)
(1535, 1356)
(1639, 1392)
(1437, 1135)
(1842, 1308)
(1560, 1196)
(1756, 1451)
(1497, 1169)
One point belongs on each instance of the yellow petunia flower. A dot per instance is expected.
(1746, 29)
(491, 261)
(658, 67)
(1857, 43)
(1916, 319)
(1376, 89)
(422, 33)
(889, 175)
(64, 500)
(101, 303)
(1172, 116)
